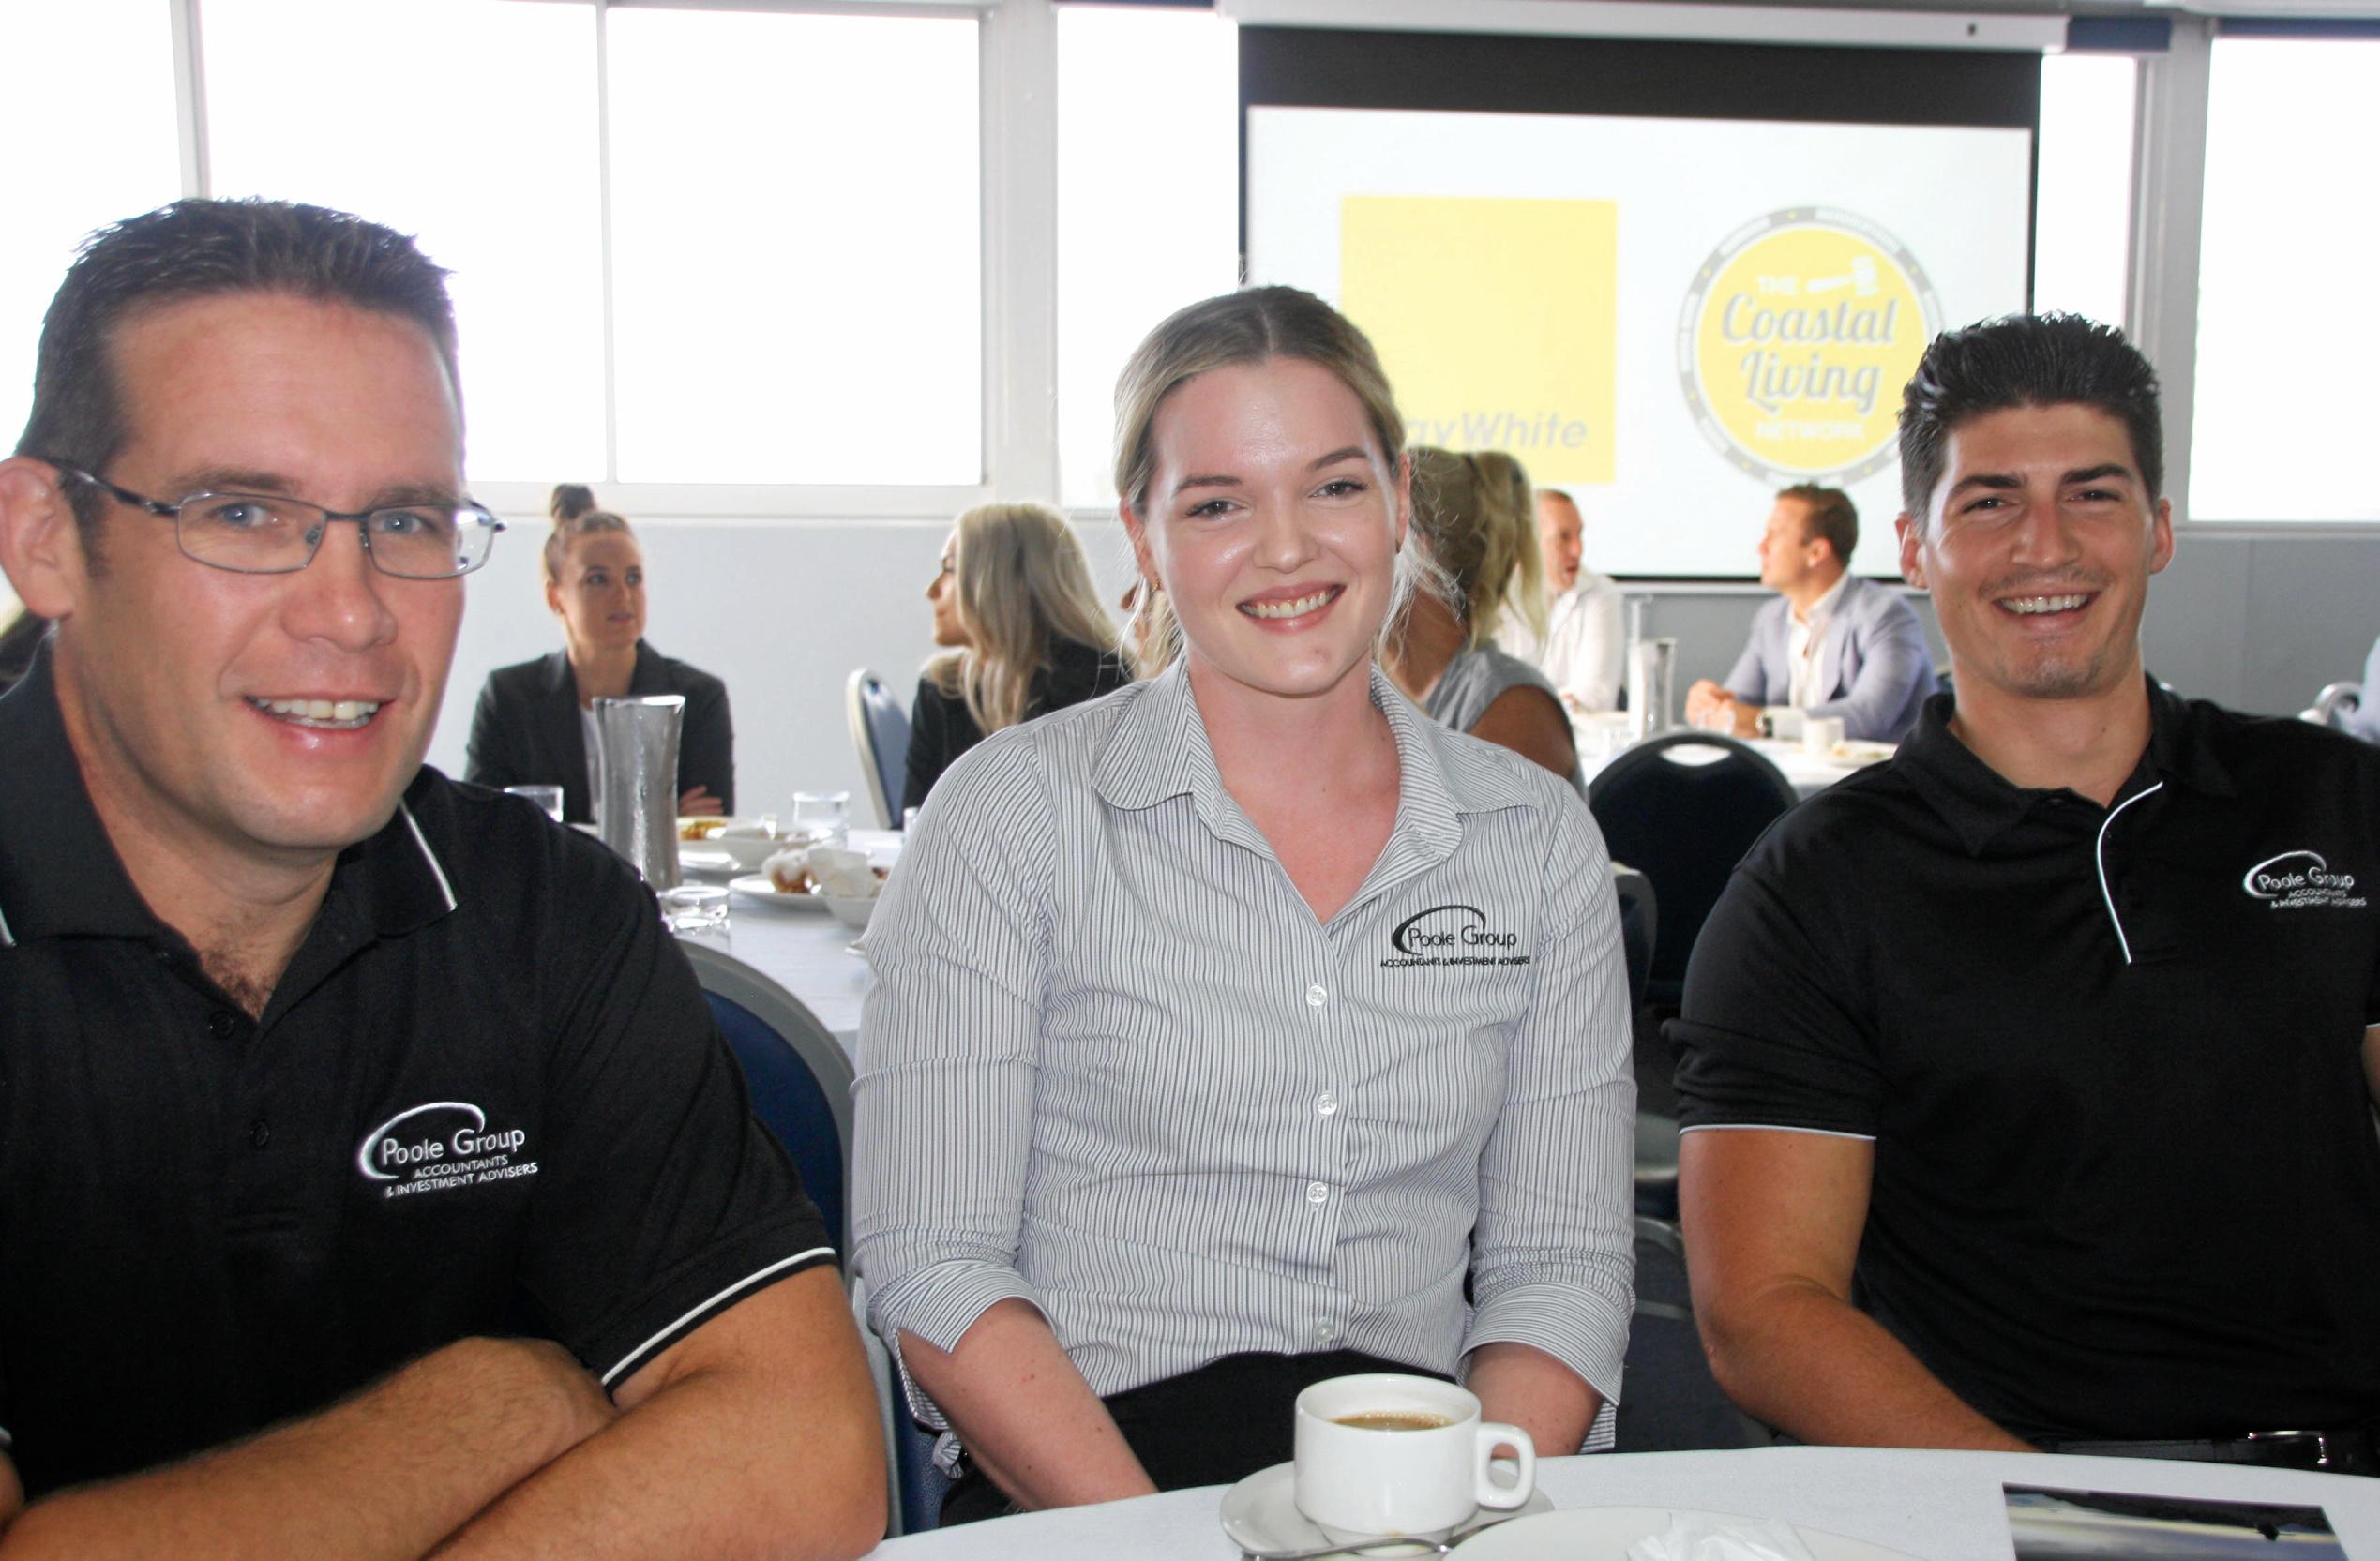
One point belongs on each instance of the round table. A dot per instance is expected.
(1939, 1506)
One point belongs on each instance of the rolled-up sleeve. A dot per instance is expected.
(949, 1054)
(1554, 1250)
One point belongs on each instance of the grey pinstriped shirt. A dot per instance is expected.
(1111, 1064)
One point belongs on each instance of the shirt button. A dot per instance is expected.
(1316, 1192)
(1315, 996)
(220, 1024)
(1326, 1103)
(1324, 1331)
(260, 1132)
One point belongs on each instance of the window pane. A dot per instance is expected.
(1148, 203)
(471, 124)
(85, 147)
(796, 244)
(2283, 384)
(2083, 196)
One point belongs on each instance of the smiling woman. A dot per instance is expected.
(534, 720)
(1275, 1013)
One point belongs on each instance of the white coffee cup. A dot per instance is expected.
(1820, 733)
(1424, 1465)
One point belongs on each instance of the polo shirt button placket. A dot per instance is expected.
(222, 1024)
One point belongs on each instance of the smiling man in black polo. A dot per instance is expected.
(371, 1177)
(2028, 1079)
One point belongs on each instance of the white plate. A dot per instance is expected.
(1260, 1514)
(1604, 1534)
(758, 887)
(707, 862)
(1853, 750)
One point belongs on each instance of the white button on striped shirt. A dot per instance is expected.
(1111, 1064)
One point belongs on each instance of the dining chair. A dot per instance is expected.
(1669, 1401)
(799, 1079)
(880, 731)
(2334, 705)
(1682, 809)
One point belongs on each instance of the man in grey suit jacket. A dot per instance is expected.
(1831, 644)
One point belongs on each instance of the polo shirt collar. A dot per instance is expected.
(1980, 804)
(60, 875)
(1159, 750)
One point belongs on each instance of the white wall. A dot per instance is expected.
(782, 610)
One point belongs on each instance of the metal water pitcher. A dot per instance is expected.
(1652, 671)
(637, 773)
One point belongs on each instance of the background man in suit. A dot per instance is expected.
(1831, 644)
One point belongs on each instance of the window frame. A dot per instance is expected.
(1016, 143)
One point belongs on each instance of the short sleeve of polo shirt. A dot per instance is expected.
(661, 1202)
(1771, 1033)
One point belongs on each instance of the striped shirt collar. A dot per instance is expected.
(1159, 750)
(60, 875)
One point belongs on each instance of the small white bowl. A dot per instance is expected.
(852, 913)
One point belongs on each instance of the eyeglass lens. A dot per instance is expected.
(270, 535)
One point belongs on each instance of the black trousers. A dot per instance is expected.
(1211, 1426)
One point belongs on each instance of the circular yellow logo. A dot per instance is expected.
(1797, 336)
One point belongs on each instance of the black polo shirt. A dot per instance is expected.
(486, 1098)
(2127, 1182)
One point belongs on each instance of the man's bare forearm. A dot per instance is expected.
(1025, 1413)
(388, 1473)
(1820, 1370)
(758, 1437)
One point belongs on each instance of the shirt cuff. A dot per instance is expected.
(940, 1304)
(1584, 1331)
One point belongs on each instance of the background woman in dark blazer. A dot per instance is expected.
(531, 724)
(1015, 603)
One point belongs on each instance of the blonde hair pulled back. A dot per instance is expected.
(1253, 325)
(1477, 518)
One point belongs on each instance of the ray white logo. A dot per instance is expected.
(439, 1145)
(2301, 881)
(1452, 934)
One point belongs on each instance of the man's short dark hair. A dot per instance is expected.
(200, 248)
(1830, 516)
(2025, 360)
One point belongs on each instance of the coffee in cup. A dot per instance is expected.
(1392, 1456)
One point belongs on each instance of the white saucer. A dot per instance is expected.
(761, 890)
(1260, 1516)
(1604, 1534)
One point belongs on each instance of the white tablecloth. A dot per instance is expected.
(1939, 1506)
(806, 951)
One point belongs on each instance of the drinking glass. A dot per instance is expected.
(820, 818)
(547, 797)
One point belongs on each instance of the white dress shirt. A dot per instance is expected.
(1111, 1064)
(1805, 633)
(1584, 655)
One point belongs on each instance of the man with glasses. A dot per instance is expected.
(371, 1177)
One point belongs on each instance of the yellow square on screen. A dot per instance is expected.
(1495, 318)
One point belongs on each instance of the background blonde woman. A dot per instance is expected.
(1014, 601)
(534, 720)
(1473, 516)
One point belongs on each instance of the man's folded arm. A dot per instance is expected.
(387, 1473)
(754, 1436)
(1772, 1222)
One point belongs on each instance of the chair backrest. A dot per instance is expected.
(796, 1074)
(1684, 818)
(2334, 705)
(1639, 926)
(880, 732)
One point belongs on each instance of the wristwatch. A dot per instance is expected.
(1768, 725)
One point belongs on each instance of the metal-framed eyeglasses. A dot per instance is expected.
(271, 534)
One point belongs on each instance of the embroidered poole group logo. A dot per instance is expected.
(1450, 934)
(2301, 881)
(441, 1145)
